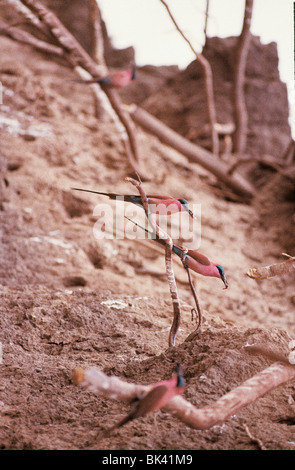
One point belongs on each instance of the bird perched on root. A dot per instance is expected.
(199, 263)
(116, 79)
(193, 259)
(160, 394)
(163, 205)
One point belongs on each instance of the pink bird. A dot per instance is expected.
(163, 205)
(116, 79)
(160, 394)
(200, 264)
(193, 259)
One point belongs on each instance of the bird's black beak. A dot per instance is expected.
(178, 369)
(180, 378)
(134, 70)
(191, 214)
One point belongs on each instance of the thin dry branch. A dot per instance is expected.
(265, 160)
(130, 143)
(168, 261)
(241, 114)
(197, 418)
(63, 36)
(173, 292)
(208, 84)
(253, 438)
(28, 15)
(206, 19)
(269, 353)
(26, 38)
(272, 270)
(97, 41)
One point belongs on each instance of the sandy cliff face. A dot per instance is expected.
(69, 300)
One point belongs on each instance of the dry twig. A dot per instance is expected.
(208, 83)
(77, 56)
(97, 51)
(26, 38)
(267, 161)
(253, 438)
(97, 41)
(197, 418)
(240, 135)
(196, 310)
(206, 19)
(29, 15)
(168, 261)
(272, 270)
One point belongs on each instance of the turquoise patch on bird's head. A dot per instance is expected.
(222, 275)
(221, 270)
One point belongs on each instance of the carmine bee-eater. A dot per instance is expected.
(199, 263)
(160, 394)
(116, 79)
(163, 205)
(193, 259)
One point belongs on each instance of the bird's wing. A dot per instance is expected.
(199, 257)
(152, 401)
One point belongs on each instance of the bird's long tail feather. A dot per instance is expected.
(178, 251)
(110, 195)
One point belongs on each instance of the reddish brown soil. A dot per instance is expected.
(54, 277)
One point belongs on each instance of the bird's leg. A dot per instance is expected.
(184, 258)
(196, 310)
